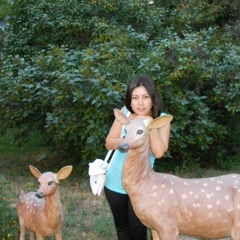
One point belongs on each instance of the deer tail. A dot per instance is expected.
(21, 195)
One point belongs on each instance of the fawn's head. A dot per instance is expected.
(48, 181)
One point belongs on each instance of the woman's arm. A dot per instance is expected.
(113, 138)
(159, 140)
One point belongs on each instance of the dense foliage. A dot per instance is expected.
(8, 215)
(67, 64)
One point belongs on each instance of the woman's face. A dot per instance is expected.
(141, 102)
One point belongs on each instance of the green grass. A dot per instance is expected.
(86, 217)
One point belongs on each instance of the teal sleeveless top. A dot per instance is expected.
(114, 178)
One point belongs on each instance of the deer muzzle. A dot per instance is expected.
(39, 194)
(123, 146)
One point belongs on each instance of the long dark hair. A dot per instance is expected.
(148, 83)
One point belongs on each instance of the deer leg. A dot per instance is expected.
(155, 235)
(39, 237)
(236, 231)
(168, 232)
(31, 236)
(58, 236)
(22, 232)
(236, 222)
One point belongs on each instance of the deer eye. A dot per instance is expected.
(139, 132)
(50, 183)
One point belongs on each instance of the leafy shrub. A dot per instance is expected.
(64, 73)
(8, 216)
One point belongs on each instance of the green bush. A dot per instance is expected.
(64, 72)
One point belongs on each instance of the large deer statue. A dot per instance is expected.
(205, 208)
(40, 212)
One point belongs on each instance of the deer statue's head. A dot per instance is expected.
(138, 129)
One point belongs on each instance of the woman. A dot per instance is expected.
(141, 100)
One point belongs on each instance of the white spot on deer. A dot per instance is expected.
(184, 196)
(154, 187)
(186, 184)
(154, 194)
(218, 202)
(219, 182)
(205, 184)
(171, 191)
(209, 206)
(190, 193)
(163, 185)
(230, 210)
(202, 190)
(210, 215)
(238, 206)
(218, 188)
(208, 196)
(197, 205)
(227, 197)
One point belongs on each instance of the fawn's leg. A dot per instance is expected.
(58, 236)
(39, 237)
(32, 236)
(168, 232)
(236, 231)
(155, 235)
(22, 232)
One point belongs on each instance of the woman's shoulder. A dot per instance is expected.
(163, 114)
(125, 111)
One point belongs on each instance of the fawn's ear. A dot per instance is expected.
(64, 172)
(36, 173)
(123, 119)
(159, 122)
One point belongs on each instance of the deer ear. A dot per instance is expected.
(160, 122)
(64, 173)
(36, 173)
(124, 120)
